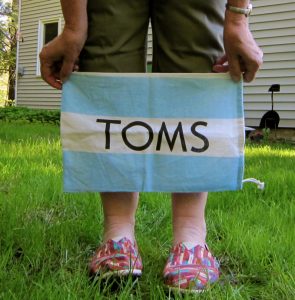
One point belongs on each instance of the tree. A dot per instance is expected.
(8, 43)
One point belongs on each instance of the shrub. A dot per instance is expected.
(23, 114)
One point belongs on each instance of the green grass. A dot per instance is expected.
(47, 237)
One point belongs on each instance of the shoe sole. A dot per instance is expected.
(119, 273)
(122, 273)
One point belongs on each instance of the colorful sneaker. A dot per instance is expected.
(116, 257)
(190, 269)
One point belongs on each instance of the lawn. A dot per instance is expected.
(47, 237)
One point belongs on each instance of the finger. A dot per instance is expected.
(76, 68)
(55, 83)
(234, 68)
(250, 74)
(67, 69)
(56, 75)
(47, 72)
(49, 77)
(252, 68)
(221, 60)
(221, 65)
(76, 65)
(242, 66)
(220, 68)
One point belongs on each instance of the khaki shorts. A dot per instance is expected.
(187, 35)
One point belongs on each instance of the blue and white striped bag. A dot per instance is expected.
(152, 132)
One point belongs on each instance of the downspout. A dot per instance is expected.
(17, 50)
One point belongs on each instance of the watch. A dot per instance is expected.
(243, 11)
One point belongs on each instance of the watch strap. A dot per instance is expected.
(243, 11)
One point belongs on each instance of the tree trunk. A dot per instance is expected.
(11, 85)
(12, 67)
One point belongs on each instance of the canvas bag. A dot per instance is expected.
(152, 132)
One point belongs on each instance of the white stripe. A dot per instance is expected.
(82, 133)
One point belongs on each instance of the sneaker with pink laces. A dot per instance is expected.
(190, 269)
(116, 258)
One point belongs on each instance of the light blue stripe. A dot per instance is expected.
(157, 97)
(129, 172)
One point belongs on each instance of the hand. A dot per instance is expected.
(60, 57)
(243, 56)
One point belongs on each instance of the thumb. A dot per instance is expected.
(221, 65)
(221, 60)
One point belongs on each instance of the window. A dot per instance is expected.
(48, 30)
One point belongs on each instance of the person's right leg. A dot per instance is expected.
(116, 43)
(119, 215)
(117, 32)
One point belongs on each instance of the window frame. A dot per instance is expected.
(41, 27)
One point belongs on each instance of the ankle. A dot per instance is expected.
(118, 228)
(193, 233)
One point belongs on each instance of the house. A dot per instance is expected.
(273, 26)
(272, 23)
(39, 21)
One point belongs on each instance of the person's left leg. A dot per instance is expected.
(190, 265)
(196, 42)
(194, 46)
(188, 211)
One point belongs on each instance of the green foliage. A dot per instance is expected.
(23, 114)
(266, 133)
(3, 94)
(4, 102)
(8, 36)
(8, 42)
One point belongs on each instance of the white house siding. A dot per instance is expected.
(31, 90)
(273, 26)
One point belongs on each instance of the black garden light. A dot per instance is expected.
(271, 118)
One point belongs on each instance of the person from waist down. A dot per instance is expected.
(242, 59)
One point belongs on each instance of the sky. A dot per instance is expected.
(5, 1)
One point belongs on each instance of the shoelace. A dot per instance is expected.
(260, 184)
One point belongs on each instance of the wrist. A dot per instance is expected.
(239, 3)
(76, 29)
(234, 18)
(74, 37)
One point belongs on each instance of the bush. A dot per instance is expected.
(23, 114)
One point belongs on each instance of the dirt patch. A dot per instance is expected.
(279, 135)
(284, 134)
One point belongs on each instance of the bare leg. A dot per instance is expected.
(189, 217)
(119, 214)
